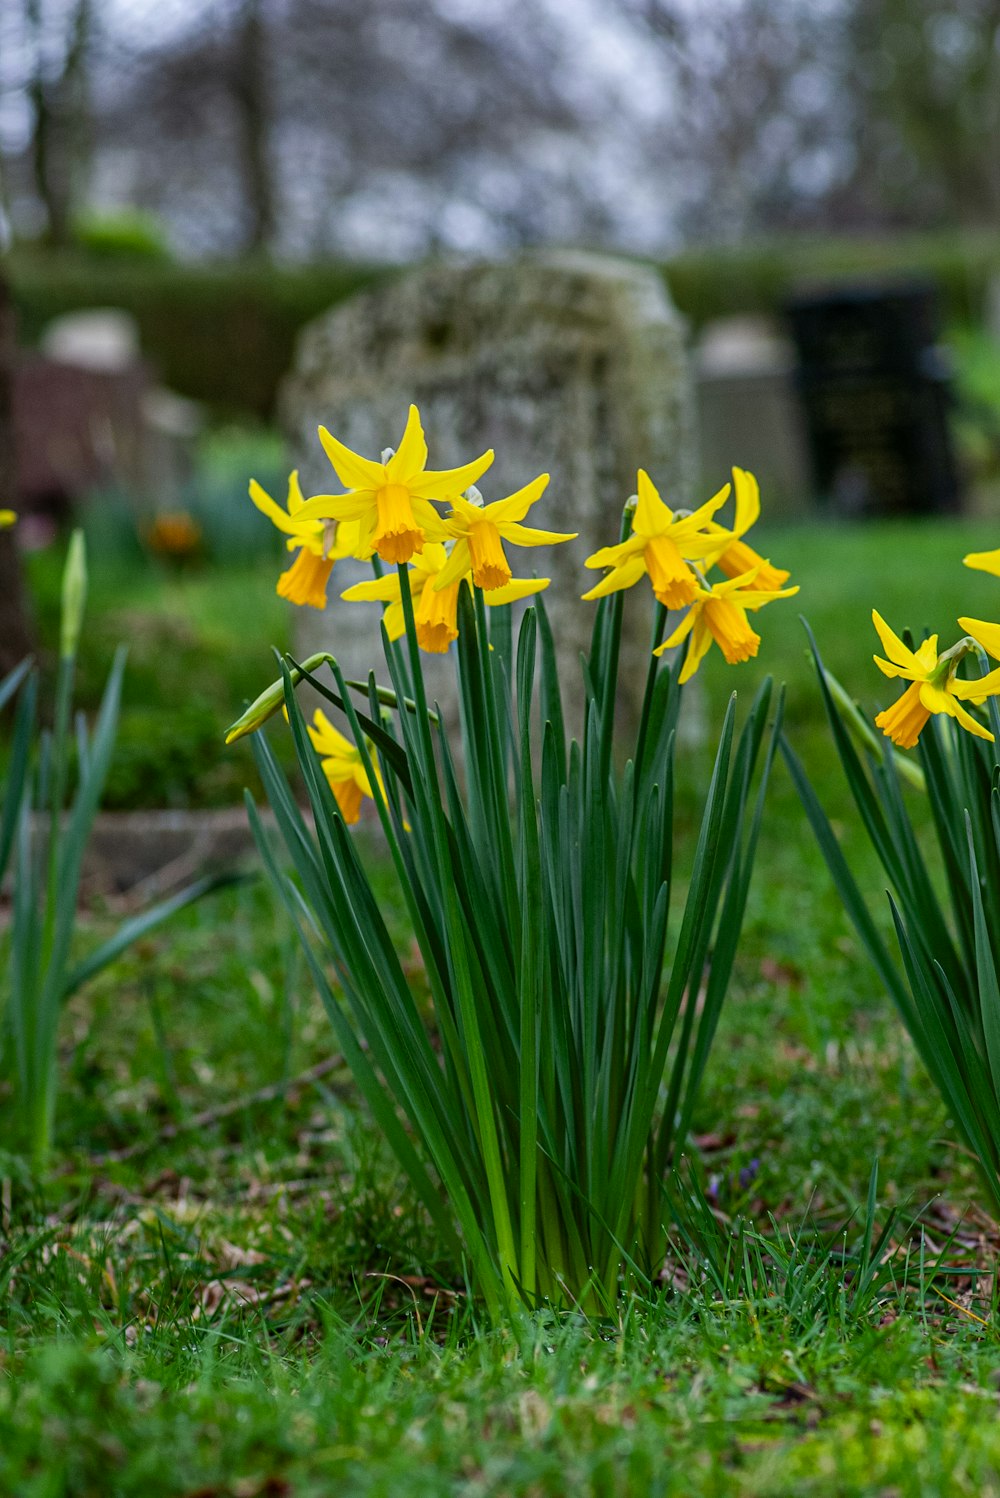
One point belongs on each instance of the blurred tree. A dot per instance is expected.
(250, 86)
(58, 41)
(754, 118)
(283, 123)
(926, 80)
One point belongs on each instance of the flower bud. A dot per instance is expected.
(272, 700)
(74, 596)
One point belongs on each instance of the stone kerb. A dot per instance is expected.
(568, 363)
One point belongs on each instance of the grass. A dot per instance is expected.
(226, 1290)
(199, 646)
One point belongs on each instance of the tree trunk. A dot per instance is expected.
(15, 634)
(250, 86)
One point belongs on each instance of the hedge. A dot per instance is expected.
(225, 334)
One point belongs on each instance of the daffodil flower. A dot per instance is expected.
(343, 766)
(391, 500)
(319, 544)
(736, 557)
(661, 546)
(984, 561)
(934, 686)
(435, 611)
(7, 517)
(719, 613)
(479, 532)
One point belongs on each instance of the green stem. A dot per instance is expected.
(659, 626)
(484, 1115)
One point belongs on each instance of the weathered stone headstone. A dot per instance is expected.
(749, 412)
(571, 364)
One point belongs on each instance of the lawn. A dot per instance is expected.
(225, 1289)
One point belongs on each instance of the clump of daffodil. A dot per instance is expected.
(435, 610)
(7, 517)
(719, 612)
(479, 531)
(342, 764)
(736, 557)
(934, 685)
(662, 545)
(390, 499)
(318, 544)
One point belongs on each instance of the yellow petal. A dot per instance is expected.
(985, 634)
(410, 456)
(701, 643)
(613, 556)
(456, 567)
(274, 512)
(891, 671)
(652, 517)
(516, 505)
(326, 739)
(295, 500)
(747, 500)
(447, 483)
(984, 561)
(701, 517)
(378, 590)
(893, 645)
(625, 576)
(358, 505)
(939, 701)
(394, 620)
(431, 560)
(518, 587)
(353, 471)
(755, 598)
(524, 535)
(978, 688)
(680, 633)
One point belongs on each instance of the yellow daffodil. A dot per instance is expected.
(737, 557)
(719, 613)
(342, 765)
(435, 611)
(934, 686)
(479, 532)
(984, 561)
(319, 544)
(391, 500)
(661, 545)
(7, 517)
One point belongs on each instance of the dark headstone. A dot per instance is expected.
(875, 390)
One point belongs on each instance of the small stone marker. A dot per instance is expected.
(571, 364)
(749, 413)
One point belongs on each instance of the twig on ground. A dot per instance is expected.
(210, 1116)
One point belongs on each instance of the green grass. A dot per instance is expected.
(199, 647)
(253, 1305)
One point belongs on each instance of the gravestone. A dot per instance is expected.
(571, 364)
(876, 393)
(749, 413)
